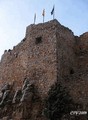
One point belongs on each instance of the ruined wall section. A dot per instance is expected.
(65, 51)
(82, 53)
(77, 83)
(11, 67)
(35, 60)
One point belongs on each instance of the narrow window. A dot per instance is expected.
(38, 40)
(71, 71)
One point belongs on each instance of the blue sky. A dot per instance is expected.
(16, 15)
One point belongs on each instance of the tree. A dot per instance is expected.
(58, 103)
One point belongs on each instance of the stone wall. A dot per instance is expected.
(77, 82)
(82, 52)
(65, 51)
(33, 58)
(49, 53)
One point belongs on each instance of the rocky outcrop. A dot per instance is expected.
(23, 103)
(26, 104)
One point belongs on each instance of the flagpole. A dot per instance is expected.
(34, 18)
(53, 16)
(54, 13)
(43, 14)
(43, 18)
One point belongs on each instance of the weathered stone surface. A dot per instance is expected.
(17, 96)
(28, 93)
(49, 53)
(5, 87)
(26, 82)
(5, 97)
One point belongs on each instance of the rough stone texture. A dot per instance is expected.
(30, 60)
(49, 53)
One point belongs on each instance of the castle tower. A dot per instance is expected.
(43, 56)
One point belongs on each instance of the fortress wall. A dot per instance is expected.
(65, 51)
(82, 55)
(35, 61)
(56, 54)
(49, 52)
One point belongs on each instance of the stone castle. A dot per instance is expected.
(49, 53)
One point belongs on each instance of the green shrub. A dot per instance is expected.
(58, 103)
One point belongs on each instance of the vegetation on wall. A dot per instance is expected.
(58, 103)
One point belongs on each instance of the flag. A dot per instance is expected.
(52, 12)
(43, 13)
(34, 18)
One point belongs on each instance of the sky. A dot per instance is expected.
(16, 15)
